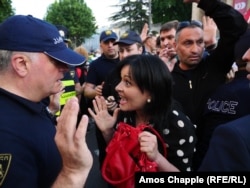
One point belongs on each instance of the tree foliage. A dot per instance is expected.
(135, 13)
(6, 9)
(163, 11)
(76, 16)
(132, 13)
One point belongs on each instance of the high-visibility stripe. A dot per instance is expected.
(68, 82)
(64, 97)
(67, 94)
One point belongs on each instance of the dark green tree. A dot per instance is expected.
(76, 16)
(163, 11)
(132, 14)
(6, 9)
(135, 13)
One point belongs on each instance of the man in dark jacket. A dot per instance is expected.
(230, 101)
(197, 76)
(230, 142)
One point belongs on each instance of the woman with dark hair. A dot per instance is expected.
(145, 97)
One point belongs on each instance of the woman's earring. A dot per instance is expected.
(148, 100)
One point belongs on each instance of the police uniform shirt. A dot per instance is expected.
(28, 154)
(99, 69)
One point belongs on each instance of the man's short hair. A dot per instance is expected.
(169, 25)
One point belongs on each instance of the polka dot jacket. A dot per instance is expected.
(180, 138)
(179, 134)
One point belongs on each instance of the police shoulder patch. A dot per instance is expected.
(72, 73)
(5, 160)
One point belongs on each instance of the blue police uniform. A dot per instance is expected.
(230, 101)
(100, 68)
(28, 154)
(229, 147)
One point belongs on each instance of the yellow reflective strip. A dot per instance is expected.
(68, 82)
(65, 96)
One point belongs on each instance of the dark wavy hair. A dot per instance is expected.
(152, 75)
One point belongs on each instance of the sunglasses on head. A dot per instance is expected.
(185, 24)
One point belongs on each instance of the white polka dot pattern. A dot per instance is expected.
(166, 131)
(180, 153)
(175, 112)
(180, 123)
(191, 139)
(185, 160)
(182, 141)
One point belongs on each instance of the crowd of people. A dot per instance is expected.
(178, 83)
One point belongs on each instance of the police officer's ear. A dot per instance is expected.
(20, 64)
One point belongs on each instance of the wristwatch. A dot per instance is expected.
(50, 112)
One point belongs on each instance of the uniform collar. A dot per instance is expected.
(36, 107)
